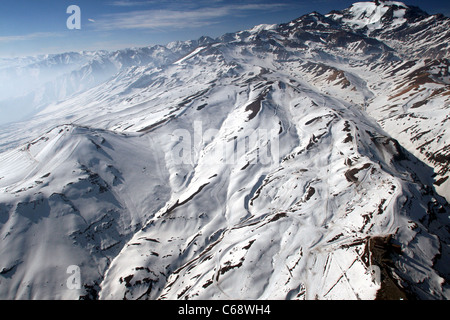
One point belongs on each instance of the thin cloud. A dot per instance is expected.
(30, 36)
(128, 3)
(159, 3)
(177, 19)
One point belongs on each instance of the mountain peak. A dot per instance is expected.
(388, 3)
(377, 14)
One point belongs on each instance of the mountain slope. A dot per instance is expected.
(413, 103)
(272, 163)
(67, 203)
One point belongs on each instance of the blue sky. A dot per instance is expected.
(31, 27)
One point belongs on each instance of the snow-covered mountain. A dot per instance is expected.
(306, 160)
(29, 84)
